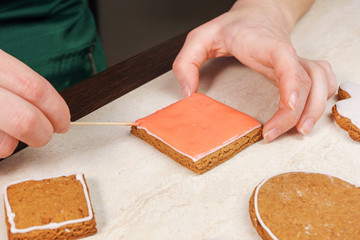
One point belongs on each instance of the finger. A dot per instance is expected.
(23, 121)
(322, 79)
(188, 62)
(294, 87)
(26, 83)
(283, 120)
(201, 44)
(294, 82)
(330, 77)
(8, 144)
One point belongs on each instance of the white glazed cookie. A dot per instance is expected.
(347, 110)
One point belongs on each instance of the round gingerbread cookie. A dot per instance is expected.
(347, 110)
(302, 205)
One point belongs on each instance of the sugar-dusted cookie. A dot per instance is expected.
(198, 132)
(52, 208)
(301, 205)
(347, 110)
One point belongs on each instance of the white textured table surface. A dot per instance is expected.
(139, 193)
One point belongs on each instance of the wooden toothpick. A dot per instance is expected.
(104, 123)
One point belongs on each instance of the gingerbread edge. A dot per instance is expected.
(255, 133)
(343, 122)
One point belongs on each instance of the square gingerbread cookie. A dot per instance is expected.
(52, 208)
(198, 132)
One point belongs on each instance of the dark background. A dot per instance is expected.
(130, 27)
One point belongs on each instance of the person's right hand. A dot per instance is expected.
(31, 110)
(257, 33)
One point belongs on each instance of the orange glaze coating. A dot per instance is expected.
(197, 125)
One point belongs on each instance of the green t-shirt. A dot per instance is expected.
(56, 38)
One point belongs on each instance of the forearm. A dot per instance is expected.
(291, 10)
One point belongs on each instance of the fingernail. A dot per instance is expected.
(185, 90)
(292, 100)
(307, 126)
(272, 134)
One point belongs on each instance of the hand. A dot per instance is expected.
(31, 110)
(257, 33)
